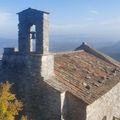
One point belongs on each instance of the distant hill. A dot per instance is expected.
(4, 42)
(62, 43)
(113, 50)
(68, 43)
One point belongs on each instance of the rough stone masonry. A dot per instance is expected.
(28, 69)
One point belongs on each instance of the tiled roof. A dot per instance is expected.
(86, 75)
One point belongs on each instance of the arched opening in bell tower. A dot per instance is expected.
(33, 38)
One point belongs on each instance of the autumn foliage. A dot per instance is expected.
(9, 105)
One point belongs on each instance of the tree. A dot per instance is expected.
(9, 105)
(24, 118)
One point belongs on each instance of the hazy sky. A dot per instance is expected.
(76, 17)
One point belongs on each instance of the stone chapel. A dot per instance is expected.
(83, 84)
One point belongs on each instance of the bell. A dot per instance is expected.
(33, 35)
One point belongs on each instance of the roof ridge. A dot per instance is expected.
(66, 52)
(33, 10)
(98, 54)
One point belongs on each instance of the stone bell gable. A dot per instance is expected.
(27, 19)
(33, 45)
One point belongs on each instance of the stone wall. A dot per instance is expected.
(29, 70)
(41, 101)
(108, 105)
(73, 108)
(47, 67)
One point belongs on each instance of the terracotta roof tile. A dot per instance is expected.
(85, 75)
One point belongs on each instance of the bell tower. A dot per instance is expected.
(33, 31)
(32, 45)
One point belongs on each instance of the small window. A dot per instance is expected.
(104, 118)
